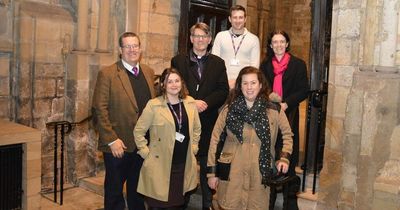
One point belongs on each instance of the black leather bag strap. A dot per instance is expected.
(221, 143)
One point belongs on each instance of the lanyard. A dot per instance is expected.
(179, 119)
(236, 50)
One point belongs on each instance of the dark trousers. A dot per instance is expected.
(119, 171)
(205, 189)
(294, 186)
(206, 193)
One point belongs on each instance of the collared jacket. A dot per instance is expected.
(155, 173)
(295, 90)
(244, 189)
(114, 106)
(212, 88)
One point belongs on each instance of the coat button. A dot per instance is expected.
(159, 139)
(156, 156)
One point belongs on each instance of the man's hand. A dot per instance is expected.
(117, 148)
(201, 105)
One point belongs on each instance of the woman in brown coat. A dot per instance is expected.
(251, 123)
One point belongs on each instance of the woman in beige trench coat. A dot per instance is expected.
(169, 169)
(252, 123)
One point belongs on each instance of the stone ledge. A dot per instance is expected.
(389, 178)
(391, 185)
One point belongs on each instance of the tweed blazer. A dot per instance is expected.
(114, 106)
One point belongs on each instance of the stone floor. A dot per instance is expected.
(77, 198)
(89, 196)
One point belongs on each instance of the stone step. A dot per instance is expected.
(94, 184)
(309, 179)
(307, 200)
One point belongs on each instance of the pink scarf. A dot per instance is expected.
(279, 68)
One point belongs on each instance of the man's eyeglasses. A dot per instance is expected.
(134, 47)
(196, 36)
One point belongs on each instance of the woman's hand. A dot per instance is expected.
(144, 152)
(282, 167)
(213, 182)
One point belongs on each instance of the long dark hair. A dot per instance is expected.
(164, 79)
(237, 90)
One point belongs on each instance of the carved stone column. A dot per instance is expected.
(82, 38)
(104, 20)
(387, 184)
(388, 46)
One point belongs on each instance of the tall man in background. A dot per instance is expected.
(237, 46)
(121, 93)
(205, 77)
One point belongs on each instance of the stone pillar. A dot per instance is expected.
(386, 187)
(104, 20)
(78, 100)
(390, 19)
(82, 42)
(387, 184)
(389, 30)
(360, 172)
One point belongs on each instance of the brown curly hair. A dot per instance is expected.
(237, 90)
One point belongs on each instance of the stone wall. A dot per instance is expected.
(363, 109)
(6, 55)
(292, 16)
(295, 18)
(40, 71)
(50, 53)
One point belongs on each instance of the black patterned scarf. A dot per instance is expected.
(238, 114)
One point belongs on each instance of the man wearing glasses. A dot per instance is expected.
(121, 93)
(206, 79)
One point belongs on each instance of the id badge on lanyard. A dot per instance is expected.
(234, 61)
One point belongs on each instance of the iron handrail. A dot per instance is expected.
(315, 100)
(65, 128)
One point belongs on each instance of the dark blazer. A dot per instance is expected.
(295, 89)
(114, 106)
(212, 88)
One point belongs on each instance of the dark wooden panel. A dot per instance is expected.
(214, 13)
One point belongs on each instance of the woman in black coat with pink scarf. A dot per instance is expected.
(287, 76)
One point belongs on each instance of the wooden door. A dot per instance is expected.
(212, 12)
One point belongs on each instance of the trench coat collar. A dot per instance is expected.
(165, 111)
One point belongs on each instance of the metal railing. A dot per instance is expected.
(62, 128)
(315, 136)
